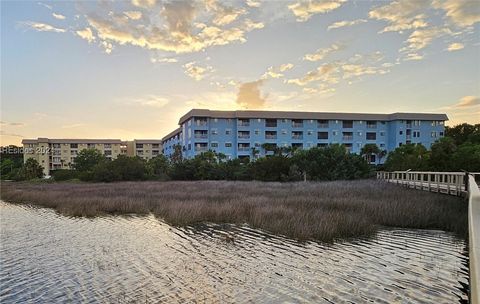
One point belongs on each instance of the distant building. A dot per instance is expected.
(240, 134)
(144, 148)
(55, 154)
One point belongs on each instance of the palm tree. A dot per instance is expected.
(368, 150)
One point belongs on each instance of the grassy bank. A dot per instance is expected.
(321, 211)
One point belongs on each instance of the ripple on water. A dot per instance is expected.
(50, 258)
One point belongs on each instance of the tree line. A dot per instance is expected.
(458, 150)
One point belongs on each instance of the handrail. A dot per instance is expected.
(474, 239)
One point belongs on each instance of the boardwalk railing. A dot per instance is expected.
(453, 183)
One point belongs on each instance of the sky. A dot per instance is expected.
(130, 69)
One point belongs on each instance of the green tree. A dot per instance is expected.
(441, 155)
(467, 157)
(177, 155)
(159, 166)
(463, 133)
(87, 159)
(368, 150)
(409, 156)
(30, 170)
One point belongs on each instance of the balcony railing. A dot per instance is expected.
(201, 136)
(201, 148)
(297, 136)
(243, 123)
(323, 125)
(270, 136)
(409, 125)
(347, 137)
(244, 136)
(297, 124)
(243, 149)
(271, 125)
(371, 126)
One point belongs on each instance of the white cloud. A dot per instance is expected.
(455, 46)
(401, 15)
(304, 9)
(41, 27)
(195, 71)
(86, 34)
(340, 24)
(326, 73)
(468, 101)
(462, 13)
(134, 15)
(144, 3)
(163, 60)
(253, 3)
(322, 53)
(249, 95)
(58, 16)
(277, 72)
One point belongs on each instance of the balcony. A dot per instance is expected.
(297, 124)
(271, 123)
(243, 123)
(244, 148)
(201, 122)
(347, 124)
(409, 125)
(347, 138)
(201, 136)
(322, 125)
(201, 148)
(244, 136)
(371, 125)
(270, 136)
(297, 136)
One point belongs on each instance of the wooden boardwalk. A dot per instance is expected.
(451, 183)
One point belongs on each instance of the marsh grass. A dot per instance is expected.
(320, 211)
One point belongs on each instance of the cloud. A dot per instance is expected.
(223, 15)
(163, 60)
(3, 133)
(421, 38)
(276, 72)
(325, 73)
(178, 29)
(58, 16)
(455, 47)
(134, 15)
(195, 71)
(322, 53)
(462, 13)
(253, 3)
(340, 24)
(413, 56)
(249, 95)
(144, 3)
(41, 27)
(13, 124)
(468, 101)
(151, 101)
(305, 9)
(72, 126)
(45, 5)
(86, 34)
(401, 15)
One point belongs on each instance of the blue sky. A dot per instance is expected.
(130, 69)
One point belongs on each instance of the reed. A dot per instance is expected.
(321, 211)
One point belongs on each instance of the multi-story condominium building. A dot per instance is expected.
(239, 134)
(54, 154)
(171, 140)
(144, 148)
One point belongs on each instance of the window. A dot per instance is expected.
(382, 133)
(347, 124)
(441, 134)
(371, 124)
(309, 132)
(371, 136)
(297, 135)
(139, 152)
(257, 132)
(382, 145)
(434, 134)
(57, 146)
(322, 135)
(56, 159)
(108, 152)
(335, 133)
(401, 132)
(214, 145)
(228, 132)
(284, 132)
(270, 123)
(73, 152)
(283, 120)
(270, 134)
(139, 146)
(347, 136)
(73, 146)
(189, 146)
(90, 146)
(297, 123)
(155, 152)
(243, 122)
(155, 145)
(322, 123)
(243, 147)
(214, 132)
(228, 145)
(244, 134)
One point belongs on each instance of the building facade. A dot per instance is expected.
(144, 148)
(239, 134)
(55, 154)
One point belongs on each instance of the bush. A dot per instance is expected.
(64, 175)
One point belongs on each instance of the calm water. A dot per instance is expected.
(48, 258)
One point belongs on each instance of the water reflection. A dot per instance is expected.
(50, 258)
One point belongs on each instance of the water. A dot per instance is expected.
(49, 258)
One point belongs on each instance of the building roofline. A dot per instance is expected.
(172, 134)
(71, 141)
(310, 115)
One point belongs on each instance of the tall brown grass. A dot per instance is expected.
(322, 211)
